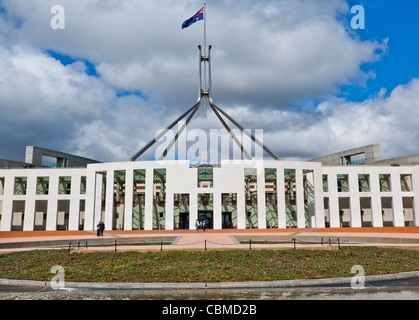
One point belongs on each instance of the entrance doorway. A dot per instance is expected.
(205, 215)
(183, 220)
(227, 221)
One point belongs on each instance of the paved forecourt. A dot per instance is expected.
(210, 239)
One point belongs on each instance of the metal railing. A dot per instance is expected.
(242, 243)
(356, 162)
(49, 164)
(118, 243)
(115, 244)
(77, 245)
(294, 242)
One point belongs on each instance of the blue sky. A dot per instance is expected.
(68, 60)
(396, 20)
(106, 84)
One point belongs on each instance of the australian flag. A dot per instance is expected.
(197, 17)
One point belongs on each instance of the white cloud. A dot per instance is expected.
(267, 55)
(42, 101)
(338, 124)
(264, 51)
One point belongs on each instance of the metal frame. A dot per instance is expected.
(204, 93)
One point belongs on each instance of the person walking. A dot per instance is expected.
(204, 225)
(197, 225)
(98, 228)
(102, 227)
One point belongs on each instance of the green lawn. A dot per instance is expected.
(209, 266)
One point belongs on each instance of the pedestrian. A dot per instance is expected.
(98, 228)
(203, 225)
(102, 227)
(197, 225)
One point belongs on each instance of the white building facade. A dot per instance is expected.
(169, 195)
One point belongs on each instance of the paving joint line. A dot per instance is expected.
(304, 231)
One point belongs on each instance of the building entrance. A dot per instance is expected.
(227, 221)
(184, 220)
(205, 216)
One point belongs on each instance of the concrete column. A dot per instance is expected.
(333, 200)
(193, 210)
(241, 208)
(280, 191)
(299, 189)
(7, 209)
(98, 200)
(109, 200)
(73, 223)
(355, 205)
(149, 195)
(29, 218)
(89, 215)
(217, 211)
(169, 224)
(312, 193)
(377, 216)
(318, 199)
(398, 216)
(261, 200)
(129, 194)
(52, 203)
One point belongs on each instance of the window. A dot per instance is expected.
(20, 186)
(325, 183)
(343, 185)
(385, 183)
(406, 182)
(65, 185)
(364, 183)
(83, 185)
(1, 186)
(159, 202)
(205, 176)
(42, 185)
(250, 180)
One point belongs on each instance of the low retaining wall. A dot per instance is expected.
(212, 285)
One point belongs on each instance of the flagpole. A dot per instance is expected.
(205, 29)
(205, 54)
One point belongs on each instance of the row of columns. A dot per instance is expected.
(93, 197)
(355, 207)
(31, 197)
(94, 205)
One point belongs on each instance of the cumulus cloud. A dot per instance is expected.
(266, 52)
(42, 100)
(337, 124)
(268, 56)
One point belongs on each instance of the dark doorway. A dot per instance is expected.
(227, 221)
(184, 220)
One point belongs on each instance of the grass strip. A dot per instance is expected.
(209, 266)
